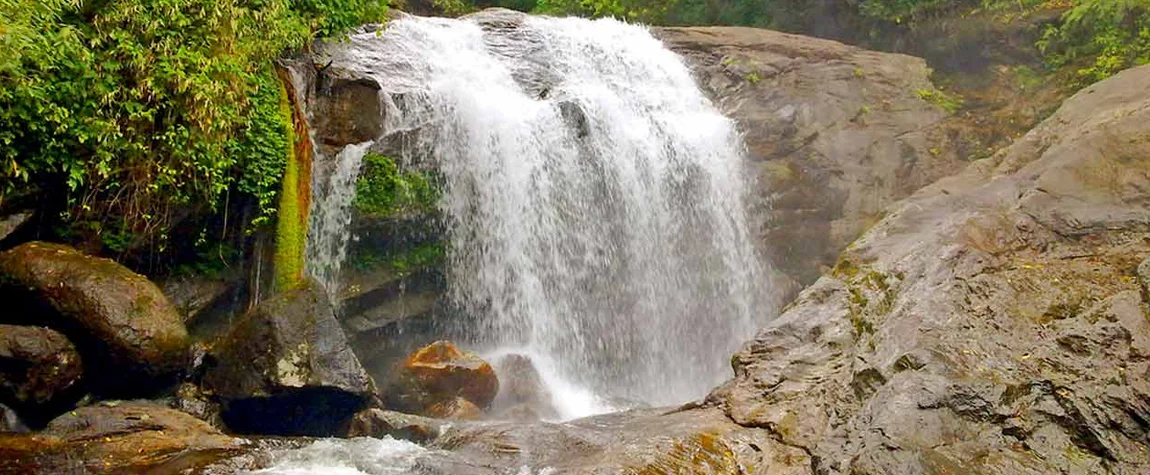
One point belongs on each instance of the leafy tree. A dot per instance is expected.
(1101, 36)
(119, 113)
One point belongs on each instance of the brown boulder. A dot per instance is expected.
(125, 328)
(379, 423)
(455, 408)
(117, 437)
(39, 369)
(441, 372)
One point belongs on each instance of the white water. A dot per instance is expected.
(330, 216)
(360, 456)
(594, 197)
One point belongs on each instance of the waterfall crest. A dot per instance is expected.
(593, 196)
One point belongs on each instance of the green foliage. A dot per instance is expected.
(383, 190)
(952, 103)
(130, 109)
(1102, 37)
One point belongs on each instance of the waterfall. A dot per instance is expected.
(330, 217)
(593, 195)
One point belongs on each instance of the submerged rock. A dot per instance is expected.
(286, 368)
(380, 423)
(117, 437)
(131, 338)
(39, 371)
(439, 373)
(992, 323)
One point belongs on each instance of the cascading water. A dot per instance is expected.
(594, 197)
(329, 218)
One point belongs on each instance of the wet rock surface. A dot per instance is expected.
(992, 323)
(117, 437)
(126, 330)
(834, 134)
(286, 368)
(522, 393)
(39, 371)
(439, 374)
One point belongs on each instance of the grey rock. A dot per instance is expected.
(286, 368)
(996, 315)
(834, 134)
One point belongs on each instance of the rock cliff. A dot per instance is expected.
(995, 322)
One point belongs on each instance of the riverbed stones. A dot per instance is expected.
(438, 373)
(286, 368)
(131, 337)
(39, 371)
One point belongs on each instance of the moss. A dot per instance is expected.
(952, 103)
(291, 225)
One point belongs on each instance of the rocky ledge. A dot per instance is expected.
(995, 322)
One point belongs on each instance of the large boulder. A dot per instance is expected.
(117, 437)
(834, 134)
(439, 373)
(992, 323)
(39, 371)
(130, 336)
(286, 368)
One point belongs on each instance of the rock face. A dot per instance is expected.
(286, 368)
(437, 374)
(39, 371)
(117, 437)
(993, 323)
(834, 133)
(126, 330)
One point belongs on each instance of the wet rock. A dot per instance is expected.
(286, 368)
(10, 421)
(117, 437)
(834, 134)
(696, 442)
(192, 400)
(380, 423)
(125, 329)
(991, 323)
(9, 224)
(39, 371)
(456, 408)
(441, 372)
(522, 393)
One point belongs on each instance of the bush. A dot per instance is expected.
(1101, 37)
(122, 112)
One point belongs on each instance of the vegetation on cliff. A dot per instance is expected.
(1096, 37)
(119, 119)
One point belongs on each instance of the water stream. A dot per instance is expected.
(594, 199)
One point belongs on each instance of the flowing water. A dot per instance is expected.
(593, 195)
